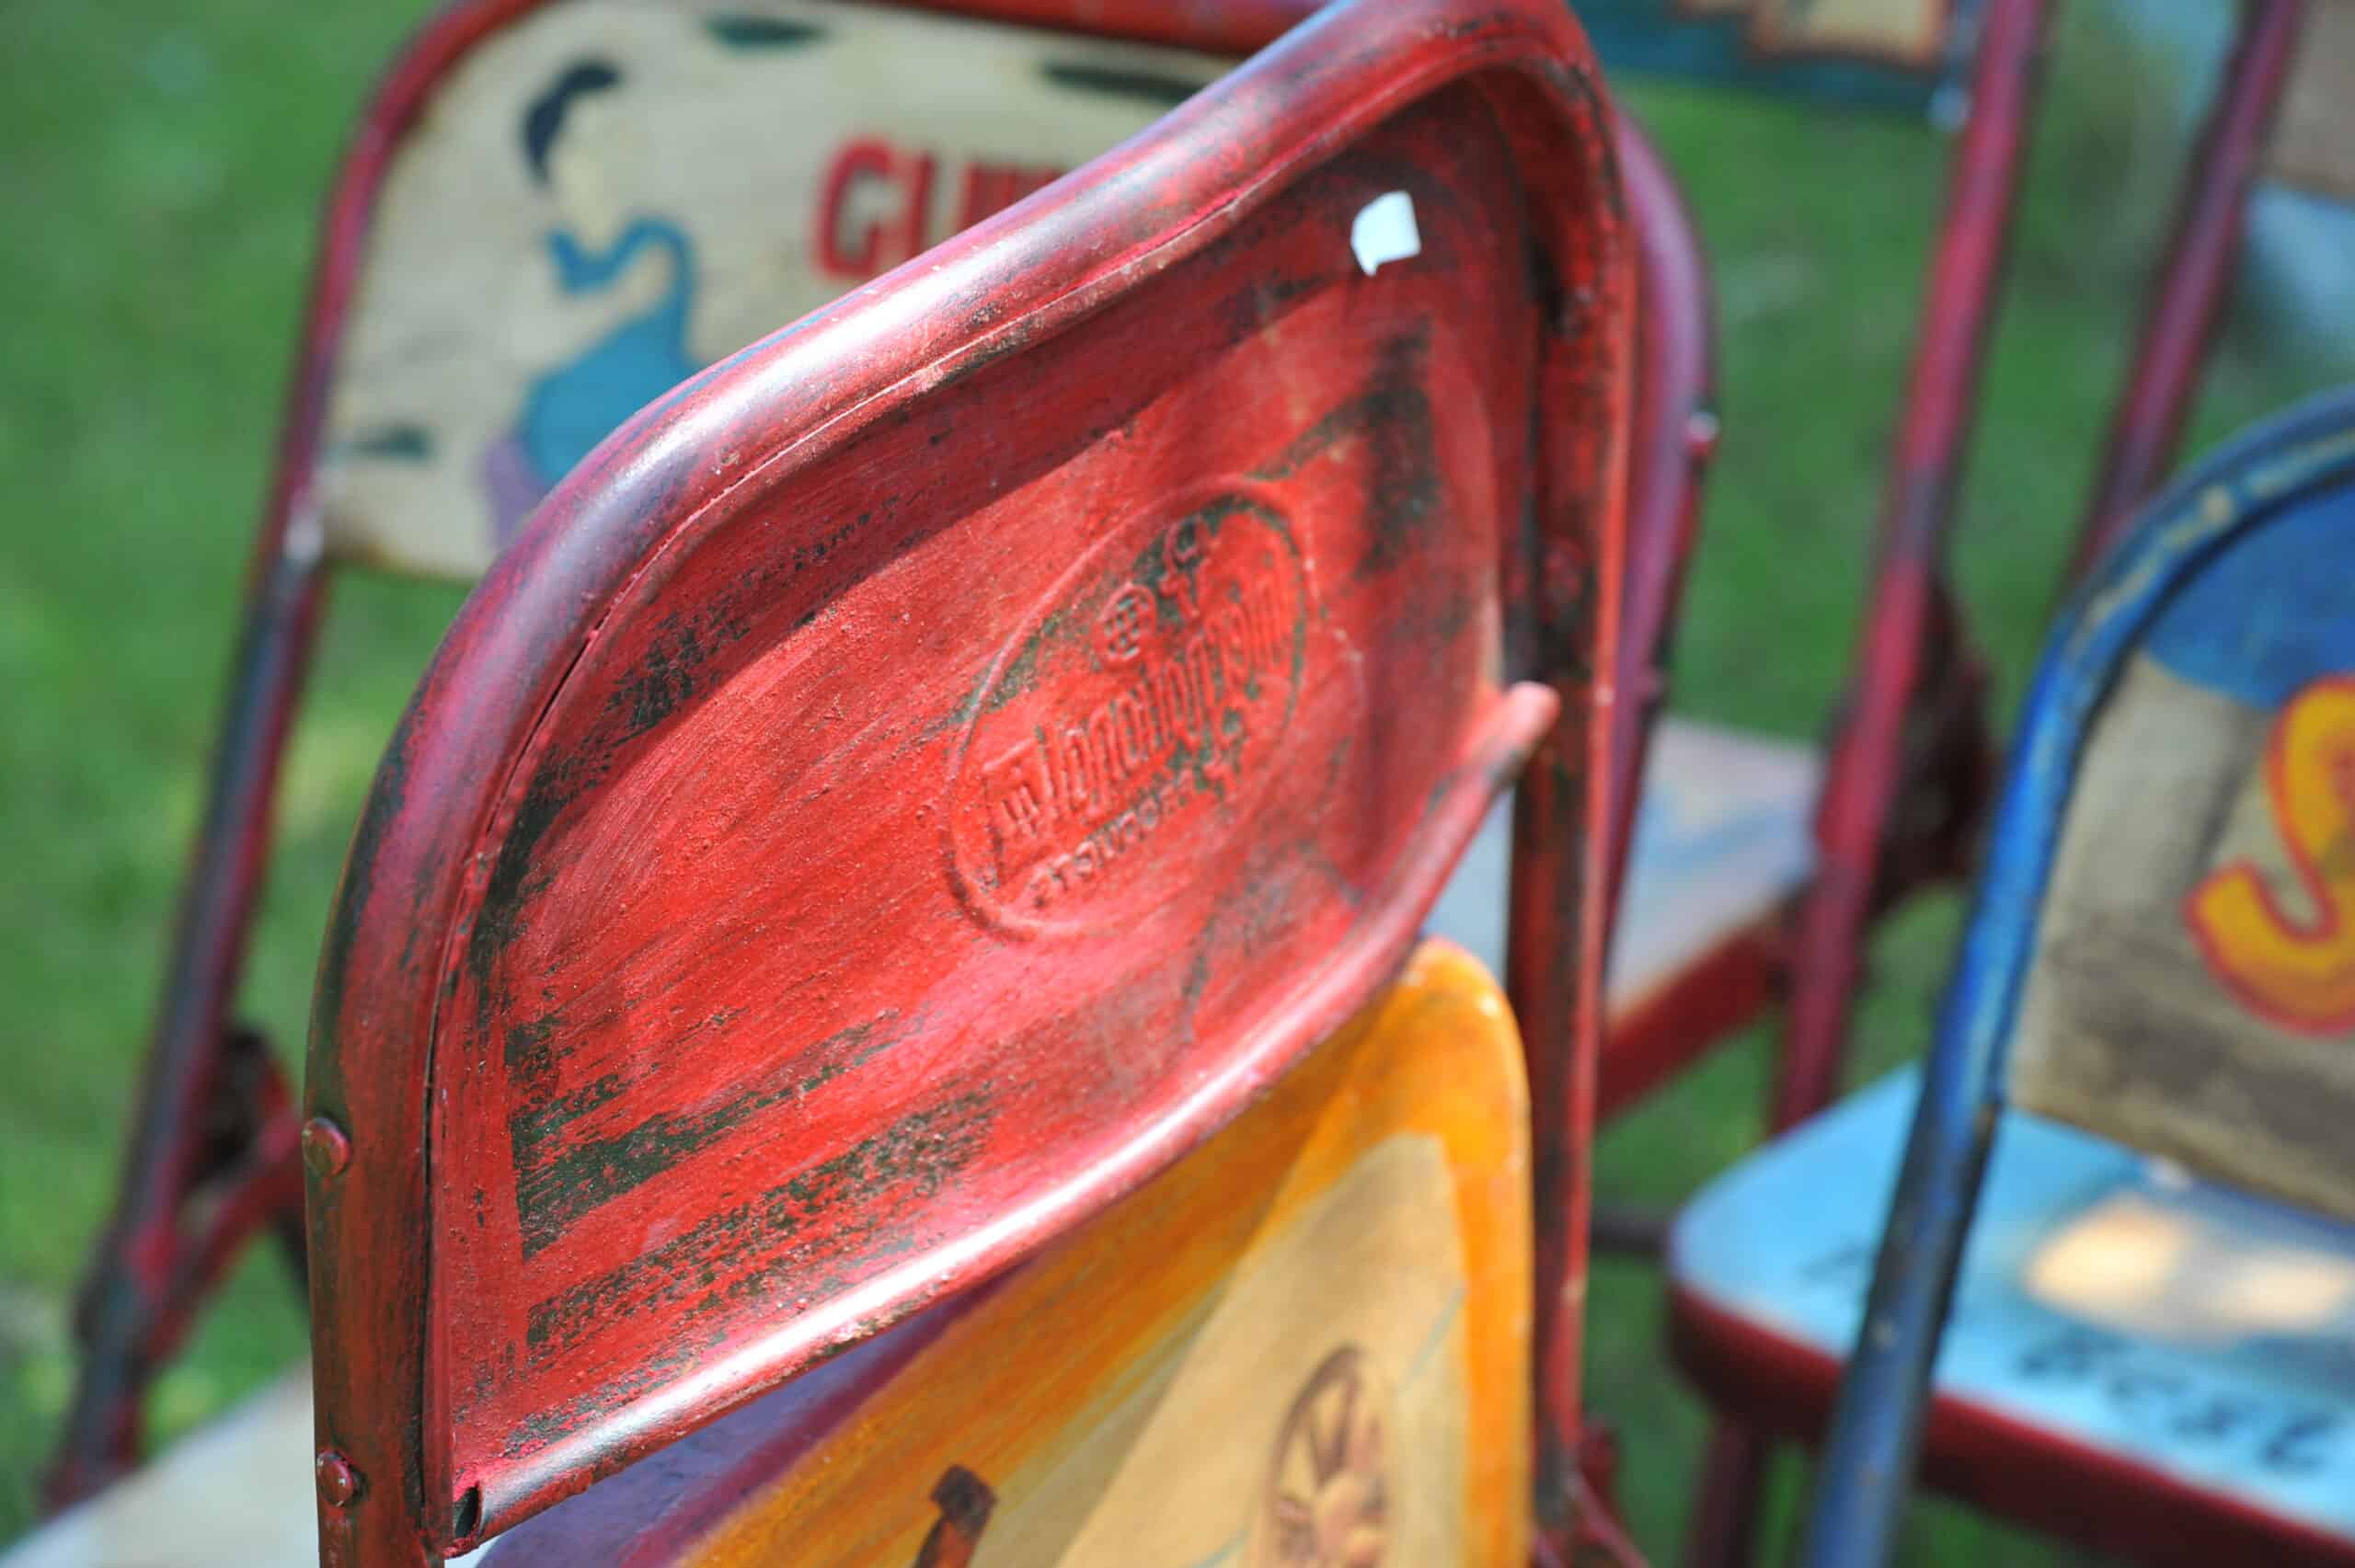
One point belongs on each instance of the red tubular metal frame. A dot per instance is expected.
(1675, 435)
(1912, 610)
(1906, 637)
(149, 1271)
(1865, 770)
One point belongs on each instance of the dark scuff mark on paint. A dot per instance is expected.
(499, 921)
(553, 1192)
(669, 672)
(1159, 88)
(678, 667)
(402, 443)
(1264, 302)
(875, 1181)
(1394, 412)
(533, 1126)
(739, 30)
(531, 1056)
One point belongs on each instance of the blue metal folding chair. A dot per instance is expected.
(2120, 1232)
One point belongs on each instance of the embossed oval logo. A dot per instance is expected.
(1147, 697)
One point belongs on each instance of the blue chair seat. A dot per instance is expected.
(2114, 1318)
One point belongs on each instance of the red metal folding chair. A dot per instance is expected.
(607, 211)
(1364, 580)
(800, 890)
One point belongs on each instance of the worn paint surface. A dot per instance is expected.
(1304, 1343)
(618, 238)
(935, 767)
(761, 997)
(2131, 1361)
(2194, 989)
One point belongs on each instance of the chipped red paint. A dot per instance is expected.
(971, 740)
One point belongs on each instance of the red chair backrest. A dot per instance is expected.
(935, 766)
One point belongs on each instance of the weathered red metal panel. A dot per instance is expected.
(937, 765)
(921, 822)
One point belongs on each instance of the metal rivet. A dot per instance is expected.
(339, 1482)
(1701, 431)
(324, 1148)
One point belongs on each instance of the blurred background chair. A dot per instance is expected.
(2133, 1111)
(1919, 690)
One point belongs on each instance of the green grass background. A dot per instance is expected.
(161, 164)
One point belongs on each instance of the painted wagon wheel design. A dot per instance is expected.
(1326, 1504)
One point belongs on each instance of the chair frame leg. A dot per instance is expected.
(1869, 752)
(1912, 634)
(207, 1088)
(1724, 1531)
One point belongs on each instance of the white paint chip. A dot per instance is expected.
(1385, 230)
